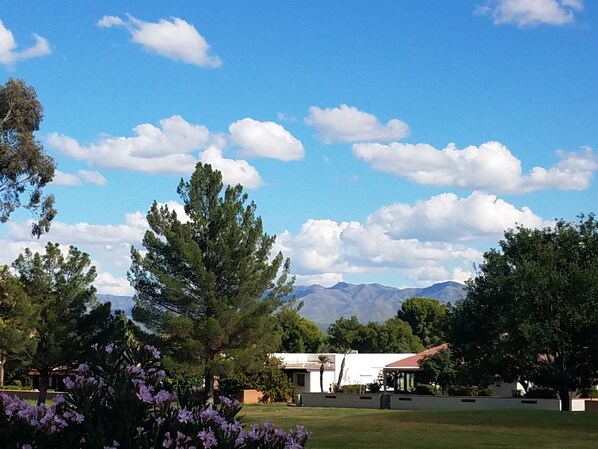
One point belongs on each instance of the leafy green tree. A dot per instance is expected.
(298, 334)
(392, 336)
(427, 318)
(70, 319)
(342, 335)
(531, 312)
(209, 280)
(24, 167)
(440, 368)
(17, 318)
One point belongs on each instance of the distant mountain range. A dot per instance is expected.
(368, 302)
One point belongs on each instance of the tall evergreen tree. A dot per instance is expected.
(17, 320)
(208, 282)
(69, 316)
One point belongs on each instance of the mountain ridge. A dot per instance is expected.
(324, 305)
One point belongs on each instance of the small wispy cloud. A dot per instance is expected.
(175, 39)
(348, 124)
(526, 13)
(8, 47)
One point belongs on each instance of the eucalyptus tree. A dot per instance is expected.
(24, 167)
(207, 281)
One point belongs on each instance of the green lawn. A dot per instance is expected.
(352, 428)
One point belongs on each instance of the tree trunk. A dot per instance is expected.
(43, 386)
(209, 381)
(565, 397)
(340, 374)
(322, 378)
(2, 363)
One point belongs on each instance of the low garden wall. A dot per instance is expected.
(28, 395)
(249, 396)
(344, 400)
(414, 402)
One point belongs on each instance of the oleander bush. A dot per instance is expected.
(117, 401)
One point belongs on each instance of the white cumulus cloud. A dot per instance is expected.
(477, 216)
(265, 139)
(489, 167)
(8, 47)
(153, 149)
(349, 124)
(423, 242)
(175, 39)
(525, 13)
(234, 171)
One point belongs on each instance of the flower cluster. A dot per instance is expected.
(118, 401)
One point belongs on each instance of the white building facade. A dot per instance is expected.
(304, 369)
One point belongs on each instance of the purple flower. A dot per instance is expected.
(167, 440)
(144, 393)
(153, 351)
(207, 438)
(184, 416)
(109, 348)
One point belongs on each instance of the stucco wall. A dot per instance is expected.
(413, 402)
(341, 400)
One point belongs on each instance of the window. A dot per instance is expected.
(300, 380)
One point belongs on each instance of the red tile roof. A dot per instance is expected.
(412, 363)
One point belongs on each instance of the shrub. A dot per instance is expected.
(463, 390)
(486, 392)
(374, 387)
(117, 401)
(539, 393)
(352, 388)
(427, 390)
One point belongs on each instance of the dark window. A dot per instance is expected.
(300, 379)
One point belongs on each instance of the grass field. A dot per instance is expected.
(352, 428)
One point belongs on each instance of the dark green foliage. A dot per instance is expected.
(439, 368)
(393, 336)
(17, 319)
(69, 319)
(298, 334)
(374, 387)
(24, 167)
(540, 393)
(353, 388)
(463, 390)
(427, 318)
(270, 380)
(207, 286)
(531, 312)
(489, 392)
(427, 390)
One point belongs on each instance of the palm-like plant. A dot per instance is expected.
(323, 359)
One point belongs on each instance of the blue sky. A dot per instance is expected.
(383, 141)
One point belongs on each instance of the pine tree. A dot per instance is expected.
(206, 284)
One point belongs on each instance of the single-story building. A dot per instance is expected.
(362, 369)
(401, 376)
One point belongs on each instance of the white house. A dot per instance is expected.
(304, 369)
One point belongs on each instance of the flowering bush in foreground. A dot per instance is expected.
(117, 402)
